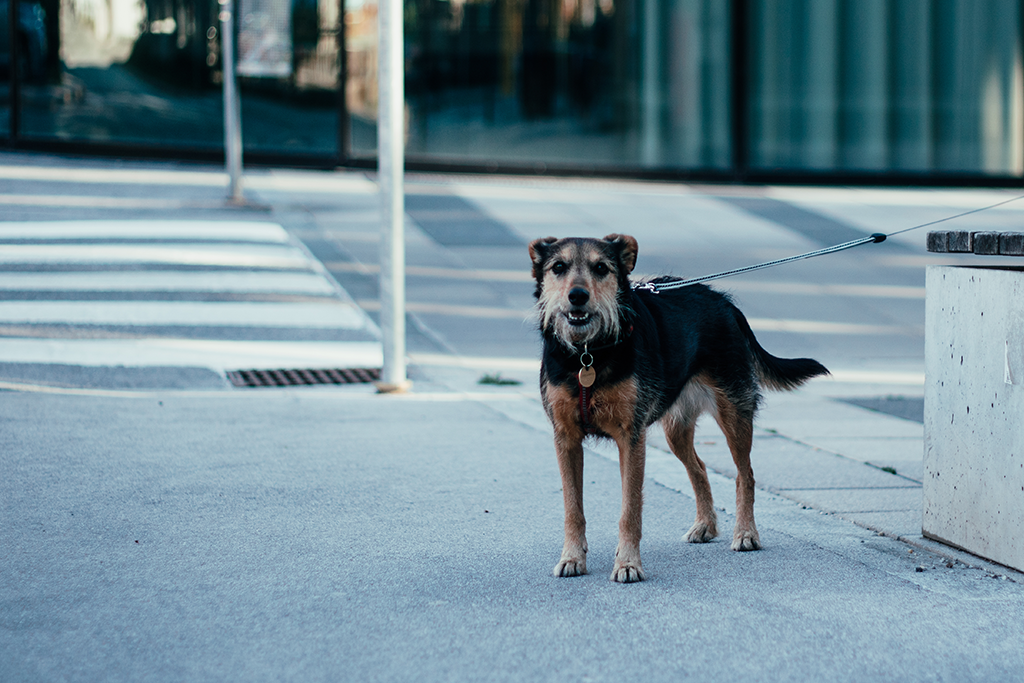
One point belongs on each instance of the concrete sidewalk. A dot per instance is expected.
(328, 533)
(334, 534)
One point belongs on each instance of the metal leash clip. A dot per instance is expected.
(646, 286)
(587, 374)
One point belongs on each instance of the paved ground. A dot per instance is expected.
(158, 523)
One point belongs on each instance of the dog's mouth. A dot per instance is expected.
(578, 318)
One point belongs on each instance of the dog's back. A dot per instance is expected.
(696, 331)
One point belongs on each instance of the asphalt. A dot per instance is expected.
(180, 529)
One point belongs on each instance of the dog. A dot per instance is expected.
(619, 357)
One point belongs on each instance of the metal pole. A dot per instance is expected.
(391, 166)
(232, 111)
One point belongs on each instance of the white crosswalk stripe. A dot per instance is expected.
(215, 354)
(239, 231)
(170, 281)
(229, 255)
(183, 313)
(220, 295)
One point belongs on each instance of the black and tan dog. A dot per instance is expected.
(618, 358)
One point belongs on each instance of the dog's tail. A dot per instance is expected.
(780, 374)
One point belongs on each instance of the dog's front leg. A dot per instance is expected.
(569, 449)
(632, 455)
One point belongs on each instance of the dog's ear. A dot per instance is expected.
(539, 250)
(627, 248)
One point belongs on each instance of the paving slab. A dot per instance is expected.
(899, 499)
(780, 462)
(903, 524)
(808, 419)
(873, 449)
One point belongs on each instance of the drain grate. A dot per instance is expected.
(293, 378)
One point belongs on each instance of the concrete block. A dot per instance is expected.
(960, 242)
(974, 411)
(1011, 244)
(938, 241)
(986, 243)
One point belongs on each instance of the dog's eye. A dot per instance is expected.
(559, 268)
(601, 269)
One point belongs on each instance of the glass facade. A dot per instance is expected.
(148, 72)
(882, 85)
(719, 88)
(628, 83)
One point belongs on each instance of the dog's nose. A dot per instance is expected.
(578, 296)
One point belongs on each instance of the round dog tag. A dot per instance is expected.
(587, 376)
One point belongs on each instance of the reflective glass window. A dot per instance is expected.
(585, 83)
(34, 59)
(877, 86)
(148, 72)
(887, 85)
(128, 72)
(5, 67)
(289, 60)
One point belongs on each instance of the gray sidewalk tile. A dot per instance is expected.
(908, 469)
(903, 499)
(894, 523)
(873, 449)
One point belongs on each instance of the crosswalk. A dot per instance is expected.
(223, 295)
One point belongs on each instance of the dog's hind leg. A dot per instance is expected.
(738, 427)
(679, 434)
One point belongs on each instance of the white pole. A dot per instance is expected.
(232, 113)
(391, 166)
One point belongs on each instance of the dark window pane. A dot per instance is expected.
(149, 72)
(32, 57)
(592, 83)
(887, 85)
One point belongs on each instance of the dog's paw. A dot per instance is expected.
(702, 532)
(627, 567)
(627, 573)
(573, 566)
(746, 540)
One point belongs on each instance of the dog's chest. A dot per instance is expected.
(602, 409)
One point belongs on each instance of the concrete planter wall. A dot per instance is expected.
(974, 411)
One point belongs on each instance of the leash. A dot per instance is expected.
(876, 238)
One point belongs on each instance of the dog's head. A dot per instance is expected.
(582, 286)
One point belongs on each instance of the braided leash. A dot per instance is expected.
(876, 238)
(664, 286)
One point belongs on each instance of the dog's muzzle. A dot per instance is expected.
(578, 315)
